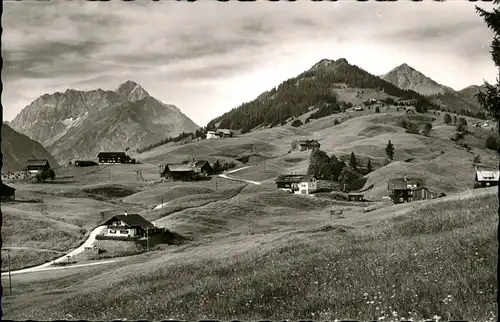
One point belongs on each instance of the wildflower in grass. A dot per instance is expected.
(436, 318)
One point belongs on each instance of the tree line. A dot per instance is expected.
(296, 95)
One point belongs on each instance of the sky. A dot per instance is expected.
(208, 57)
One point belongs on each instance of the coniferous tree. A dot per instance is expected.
(353, 163)
(389, 150)
(369, 166)
(490, 98)
(447, 118)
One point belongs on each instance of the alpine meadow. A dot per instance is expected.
(221, 160)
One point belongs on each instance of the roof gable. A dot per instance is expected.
(133, 220)
(178, 167)
(487, 175)
(295, 178)
(37, 162)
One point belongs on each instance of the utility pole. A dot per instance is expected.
(147, 238)
(10, 280)
(161, 202)
(216, 183)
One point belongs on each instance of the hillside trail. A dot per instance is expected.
(360, 217)
(47, 266)
(237, 179)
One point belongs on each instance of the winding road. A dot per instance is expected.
(48, 266)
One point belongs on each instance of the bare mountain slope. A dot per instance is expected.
(406, 77)
(17, 148)
(79, 124)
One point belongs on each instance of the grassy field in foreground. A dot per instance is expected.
(436, 261)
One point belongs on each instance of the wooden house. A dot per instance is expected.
(203, 167)
(35, 166)
(129, 225)
(403, 189)
(183, 172)
(113, 157)
(308, 145)
(355, 197)
(297, 183)
(7, 193)
(485, 178)
(225, 133)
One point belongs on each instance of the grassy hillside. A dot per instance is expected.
(420, 263)
(313, 88)
(17, 148)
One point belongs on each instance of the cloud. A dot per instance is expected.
(219, 55)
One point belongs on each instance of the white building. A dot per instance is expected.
(212, 135)
(128, 225)
(297, 183)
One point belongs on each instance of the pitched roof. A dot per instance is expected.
(294, 178)
(201, 163)
(133, 220)
(487, 175)
(179, 167)
(36, 162)
(401, 183)
(307, 142)
(111, 154)
(224, 131)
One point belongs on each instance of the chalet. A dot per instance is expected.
(113, 157)
(35, 166)
(485, 178)
(212, 135)
(308, 144)
(7, 193)
(403, 189)
(203, 167)
(129, 225)
(184, 172)
(355, 197)
(84, 163)
(225, 133)
(297, 183)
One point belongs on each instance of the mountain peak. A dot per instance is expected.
(132, 91)
(341, 61)
(408, 78)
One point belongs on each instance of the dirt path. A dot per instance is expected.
(90, 240)
(236, 179)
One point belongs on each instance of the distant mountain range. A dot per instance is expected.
(17, 148)
(316, 86)
(79, 124)
(406, 77)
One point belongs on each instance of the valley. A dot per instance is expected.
(335, 194)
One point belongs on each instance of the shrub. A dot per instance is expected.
(491, 143)
(296, 123)
(336, 121)
(377, 109)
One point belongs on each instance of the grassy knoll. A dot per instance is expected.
(437, 260)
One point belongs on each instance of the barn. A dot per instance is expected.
(37, 165)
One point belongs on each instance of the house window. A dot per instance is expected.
(112, 231)
(123, 231)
